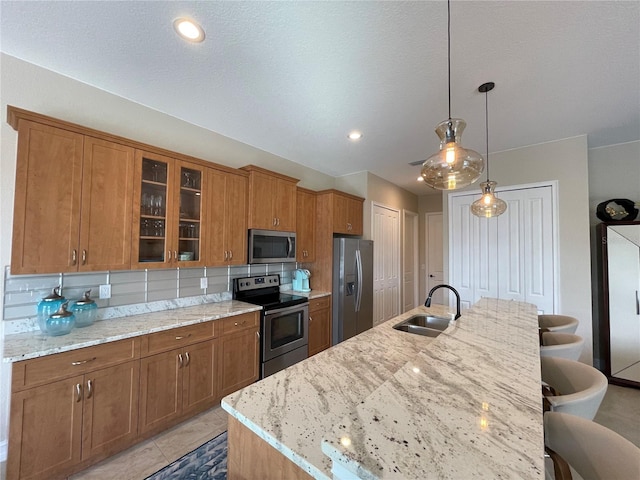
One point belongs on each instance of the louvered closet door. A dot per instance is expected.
(509, 257)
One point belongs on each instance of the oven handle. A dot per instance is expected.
(294, 308)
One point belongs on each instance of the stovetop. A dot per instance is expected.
(264, 290)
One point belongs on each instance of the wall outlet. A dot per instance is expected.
(105, 291)
(204, 282)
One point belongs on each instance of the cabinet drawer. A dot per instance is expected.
(319, 303)
(50, 368)
(177, 337)
(240, 322)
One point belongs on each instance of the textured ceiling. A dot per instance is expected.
(293, 78)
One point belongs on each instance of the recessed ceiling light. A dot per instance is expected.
(189, 30)
(355, 135)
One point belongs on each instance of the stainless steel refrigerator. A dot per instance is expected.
(352, 287)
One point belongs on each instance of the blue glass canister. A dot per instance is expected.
(85, 310)
(47, 306)
(61, 322)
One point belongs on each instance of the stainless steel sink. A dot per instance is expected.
(427, 325)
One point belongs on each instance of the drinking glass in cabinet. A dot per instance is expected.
(153, 171)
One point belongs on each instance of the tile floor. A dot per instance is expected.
(620, 411)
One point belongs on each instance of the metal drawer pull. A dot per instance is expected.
(74, 257)
(180, 337)
(258, 335)
(78, 392)
(241, 323)
(310, 318)
(82, 362)
(180, 360)
(188, 360)
(89, 388)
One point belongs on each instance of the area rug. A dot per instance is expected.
(207, 462)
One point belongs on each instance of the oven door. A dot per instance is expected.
(284, 330)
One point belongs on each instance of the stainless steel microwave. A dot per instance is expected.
(270, 246)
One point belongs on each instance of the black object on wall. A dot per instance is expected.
(617, 210)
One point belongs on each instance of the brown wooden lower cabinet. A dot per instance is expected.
(319, 324)
(70, 410)
(55, 428)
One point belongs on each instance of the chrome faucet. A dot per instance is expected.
(427, 302)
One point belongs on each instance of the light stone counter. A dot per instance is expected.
(23, 346)
(388, 404)
(310, 295)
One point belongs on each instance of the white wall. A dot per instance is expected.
(564, 161)
(614, 172)
(426, 204)
(33, 88)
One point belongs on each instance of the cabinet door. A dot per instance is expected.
(319, 325)
(236, 219)
(217, 253)
(238, 360)
(199, 382)
(107, 192)
(45, 430)
(262, 192)
(285, 206)
(305, 226)
(151, 196)
(188, 227)
(354, 216)
(340, 214)
(110, 418)
(160, 390)
(47, 200)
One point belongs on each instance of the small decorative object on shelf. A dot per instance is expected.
(48, 305)
(61, 322)
(85, 310)
(617, 210)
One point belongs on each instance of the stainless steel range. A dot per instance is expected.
(284, 321)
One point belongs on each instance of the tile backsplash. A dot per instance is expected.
(132, 291)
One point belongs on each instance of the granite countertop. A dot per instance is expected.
(310, 295)
(388, 404)
(23, 346)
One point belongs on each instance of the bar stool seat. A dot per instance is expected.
(563, 345)
(577, 388)
(593, 451)
(558, 323)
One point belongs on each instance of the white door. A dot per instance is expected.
(410, 260)
(386, 263)
(435, 257)
(508, 257)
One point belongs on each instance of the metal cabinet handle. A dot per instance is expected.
(74, 256)
(89, 388)
(278, 222)
(78, 392)
(226, 255)
(82, 362)
(168, 255)
(258, 335)
(84, 256)
(310, 318)
(180, 337)
(175, 255)
(275, 221)
(187, 358)
(230, 254)
(179, 360)
(244, 322)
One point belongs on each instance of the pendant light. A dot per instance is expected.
(453, 166)
(488, 205)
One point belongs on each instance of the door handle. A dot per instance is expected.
(74, 256)
(89, 388)
(84, 256)
(179, 360)
(187, 359)
(431, 276)
(78, 392)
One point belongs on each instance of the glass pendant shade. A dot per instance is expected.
(453, 166)
(488, 205)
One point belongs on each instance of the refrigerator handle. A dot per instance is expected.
(359, 273)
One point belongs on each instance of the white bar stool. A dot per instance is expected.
(558, 323)
(593, 451)
(576, 388)
(563, 345)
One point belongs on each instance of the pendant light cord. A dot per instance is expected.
(449, 51)
(486, 123)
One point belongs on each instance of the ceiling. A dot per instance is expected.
(293, 78)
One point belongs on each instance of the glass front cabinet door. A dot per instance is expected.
(167, 212)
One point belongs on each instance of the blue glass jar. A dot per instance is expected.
(48, 306)
(60, 322)
(85, 310)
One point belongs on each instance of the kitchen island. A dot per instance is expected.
(389, 404)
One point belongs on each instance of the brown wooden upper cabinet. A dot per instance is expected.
(306, 225)
(272, 200)
(73, 199)
(168, 212)
(227, 218)
(346, 211)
